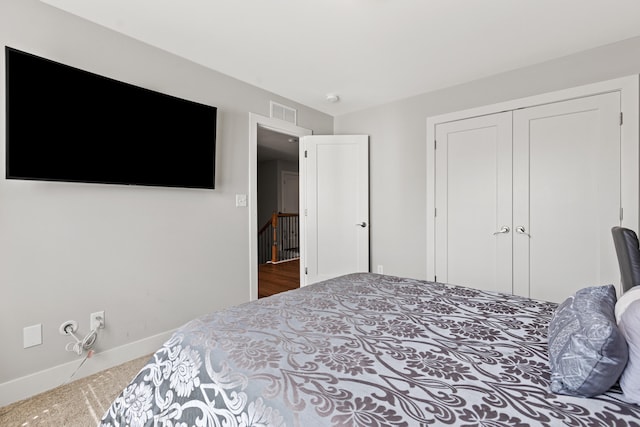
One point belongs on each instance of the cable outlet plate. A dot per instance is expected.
(69, 325)
(96, 320)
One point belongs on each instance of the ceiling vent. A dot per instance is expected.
(282, 112)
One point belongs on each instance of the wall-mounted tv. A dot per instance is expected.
(66, 124)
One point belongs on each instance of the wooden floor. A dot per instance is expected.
(276, 278)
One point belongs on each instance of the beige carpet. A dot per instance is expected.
(81, 403)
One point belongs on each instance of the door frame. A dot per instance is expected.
(628, 87)
(277, 125)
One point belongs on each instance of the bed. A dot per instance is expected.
(363, 349)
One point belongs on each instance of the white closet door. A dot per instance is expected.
(473, 201)
(566, 194)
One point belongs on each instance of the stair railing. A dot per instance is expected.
(278, 239)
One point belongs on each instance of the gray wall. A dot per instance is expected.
(152, 258)
(398, 143)
(267, 190)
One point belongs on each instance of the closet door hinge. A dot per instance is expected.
(435, 212)
(306, 270)
(305, 154)
(621, 118)
(621, 214)
(435, 144)
(435, 278)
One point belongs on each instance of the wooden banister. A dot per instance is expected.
(265, 226)
(278, 249)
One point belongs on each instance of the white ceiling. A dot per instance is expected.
(274, 145)
(370, 52)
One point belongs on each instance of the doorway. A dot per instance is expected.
(274, 155)
(278, 212)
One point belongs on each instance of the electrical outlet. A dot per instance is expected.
(96, 320)
(380, 269)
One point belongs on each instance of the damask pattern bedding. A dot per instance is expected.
(363, 349)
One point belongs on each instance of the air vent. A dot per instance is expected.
(282, 112)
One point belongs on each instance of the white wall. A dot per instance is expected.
(152, 258)
(398, 143)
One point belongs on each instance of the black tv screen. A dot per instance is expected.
(66, 124)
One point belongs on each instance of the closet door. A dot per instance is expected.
(473, 202)
(566, 195)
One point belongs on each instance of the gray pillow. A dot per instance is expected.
(587, 351)
(630, 327)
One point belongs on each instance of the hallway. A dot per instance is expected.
(276, 278)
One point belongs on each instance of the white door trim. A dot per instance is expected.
(629, 88)
(256, 120)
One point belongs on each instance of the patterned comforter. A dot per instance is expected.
(363, 349)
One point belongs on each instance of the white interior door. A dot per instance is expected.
(334, 206)
(566, 195)
(473, 202)
(290, 192)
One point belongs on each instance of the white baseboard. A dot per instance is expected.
(38, 382)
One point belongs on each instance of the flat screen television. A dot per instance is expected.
(66, 124)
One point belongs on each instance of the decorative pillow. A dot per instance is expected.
(587, 351)
(630, 327)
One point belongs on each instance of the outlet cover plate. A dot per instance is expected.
(94, 323)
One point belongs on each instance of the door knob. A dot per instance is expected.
(362, 224)
(503, 230)
(521, 230)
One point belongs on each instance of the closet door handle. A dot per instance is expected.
(521, 230)
(362, 224)
(503, 230)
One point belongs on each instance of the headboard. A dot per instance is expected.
(626, 243)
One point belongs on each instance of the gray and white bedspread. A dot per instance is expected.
(363, 350)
